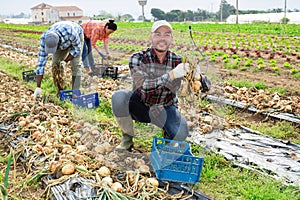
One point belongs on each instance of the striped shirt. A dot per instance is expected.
(95, 30)
(69, 36)
(151, 80)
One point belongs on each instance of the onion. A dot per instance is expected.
(138, 163)
(103, 171)
(107, 181)
(36, 122)
(100, 149)
(99, 158)
(116, 186)
(144, 169)
(196, 86)
(22, 123)
(81, 148)
(66, 148)
(68, 169)
(153, 182)
(107, 146)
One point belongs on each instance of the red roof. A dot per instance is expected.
(66, 8)
(59, 8)
(42, 6)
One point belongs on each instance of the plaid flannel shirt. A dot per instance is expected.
(95, 30)
(69, 36)
(151, 80)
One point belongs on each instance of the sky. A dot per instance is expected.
(121, 7)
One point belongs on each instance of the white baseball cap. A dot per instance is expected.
(51, 42)
(160, 23)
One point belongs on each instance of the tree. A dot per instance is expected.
(158, 14)
(103, 15)
(127, 17)
(189, 15)
(227, 10)
(174, 15)
(170, 16)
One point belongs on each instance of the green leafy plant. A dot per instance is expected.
(273, 63)
(213, 58)
(261, 66)
(287, 65)
(260, 61)
(234, 56)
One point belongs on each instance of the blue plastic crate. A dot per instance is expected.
(68, 94)
(87, 100)
(173, 161)
(79, 99)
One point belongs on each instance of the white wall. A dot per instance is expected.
(71, 13)
(294, 18)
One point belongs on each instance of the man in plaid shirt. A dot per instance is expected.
(65, 41)
(156, 73)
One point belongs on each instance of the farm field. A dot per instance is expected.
(258, 65)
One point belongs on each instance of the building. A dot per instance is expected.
(47, 14)
(294, 18)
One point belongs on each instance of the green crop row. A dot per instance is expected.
(273, 29)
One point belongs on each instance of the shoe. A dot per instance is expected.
(126, 143)
(122, 148)
(88, 70)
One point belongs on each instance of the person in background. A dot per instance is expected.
(65, 41)
(157, 73)
(93, 31)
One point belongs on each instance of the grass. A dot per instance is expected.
(257, 85)
(223, 180)
(247, 84)
(15, 70)
(11, 68)
(282, 130)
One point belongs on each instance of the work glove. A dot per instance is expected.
(37, 93)
(179, 71)
(63, 63)
(206, 83)
(101, 54)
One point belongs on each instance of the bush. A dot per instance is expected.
(285, 20)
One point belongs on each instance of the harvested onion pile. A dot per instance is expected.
(52, 142)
